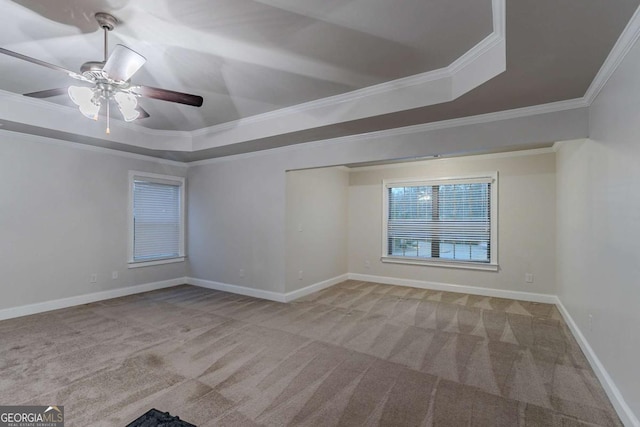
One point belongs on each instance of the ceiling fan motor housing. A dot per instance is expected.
(92, 69)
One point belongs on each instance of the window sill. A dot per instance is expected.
(133, 264)
(448, 264)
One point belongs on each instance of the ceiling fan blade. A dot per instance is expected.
(47, 93)
(43, 63)
(123, 63)
(143, 113)
(168, 95)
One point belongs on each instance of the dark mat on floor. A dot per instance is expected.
(155, 418)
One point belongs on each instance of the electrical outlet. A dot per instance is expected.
(241, 273)
(300, 275)
(590, 322)
(367, 264)
(300, 228)
(528, 277)
(114, 274)
(93, 278)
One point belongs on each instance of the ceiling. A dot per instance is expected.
(250, 59)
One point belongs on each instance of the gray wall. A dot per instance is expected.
(526, 221)
(316, 225)
(236, 222)
(237, 205)
(63, 216)
(599, 228)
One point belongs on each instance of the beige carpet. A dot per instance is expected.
(355, 354)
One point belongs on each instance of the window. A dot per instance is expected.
(447, 222)
(156, 219)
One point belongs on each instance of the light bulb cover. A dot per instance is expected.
(85, 99)
(127, 104)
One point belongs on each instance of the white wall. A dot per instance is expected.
(316, 225)
(63, 216)
(599, 228)
(526, 221)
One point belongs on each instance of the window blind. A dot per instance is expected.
(156, 220)
(450, 221)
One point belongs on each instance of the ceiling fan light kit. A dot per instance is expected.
(127, 104)
(84, 98)
(110, 77)
(109, 80)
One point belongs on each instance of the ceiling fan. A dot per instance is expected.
(109, 80)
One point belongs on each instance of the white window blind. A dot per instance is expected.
(447, 220)
(157, 219)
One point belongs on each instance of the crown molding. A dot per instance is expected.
(379, 89)
(414, 129)
(362, 99)
(65, 109)
(92, 148)
(65, 122)
(474, 53)
(433, 86)
(463, 121)
(498, 9)
(556, 145)
(497, 36)
(387, 133)
(620, 49)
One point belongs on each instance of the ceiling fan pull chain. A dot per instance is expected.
(108, 131)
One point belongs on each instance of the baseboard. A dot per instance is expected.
(448, 287)
(293, 295)
(41, 307)
(307, 290)
(624, 411)
(241, 290)
(617, 400)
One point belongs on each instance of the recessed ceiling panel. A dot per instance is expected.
(244, 57)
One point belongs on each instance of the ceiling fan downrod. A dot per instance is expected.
(107, 22)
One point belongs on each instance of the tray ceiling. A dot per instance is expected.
(244, 57)
(253, 58)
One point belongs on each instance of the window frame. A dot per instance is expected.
(492, 265)
(159, 179)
